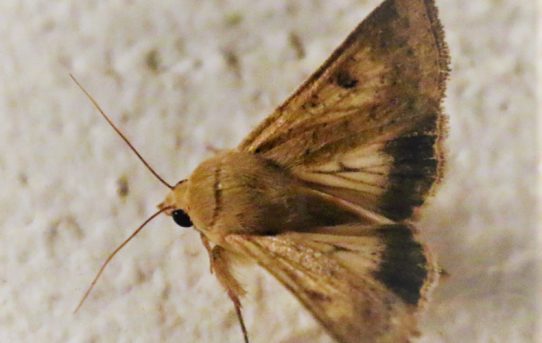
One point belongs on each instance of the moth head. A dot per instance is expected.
(175, 204)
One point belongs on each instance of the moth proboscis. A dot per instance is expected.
(323, 193)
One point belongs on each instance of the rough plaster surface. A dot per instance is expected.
(179, 75)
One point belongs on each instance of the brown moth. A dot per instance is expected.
(323, 192)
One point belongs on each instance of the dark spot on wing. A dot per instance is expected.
(403, 268)
(345, 80)
(413, 172)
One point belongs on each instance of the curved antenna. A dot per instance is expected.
(106, 117)
(110, 257)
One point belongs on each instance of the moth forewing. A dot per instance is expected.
(373, 111)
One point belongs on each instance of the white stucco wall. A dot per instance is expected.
(179, 75)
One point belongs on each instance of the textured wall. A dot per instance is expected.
(179, 75)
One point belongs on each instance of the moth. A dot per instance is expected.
(323, 193)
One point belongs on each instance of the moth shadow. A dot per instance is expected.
(492, 283)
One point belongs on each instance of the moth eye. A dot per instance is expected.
(181, 218)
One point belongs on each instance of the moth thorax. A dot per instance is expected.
(239, 192)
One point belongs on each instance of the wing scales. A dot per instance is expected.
(371, 113)
(345, 279)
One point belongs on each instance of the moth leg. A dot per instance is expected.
(207, 246)
(220, 265)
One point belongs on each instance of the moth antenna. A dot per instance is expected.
(110, 257)
(106, 117)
